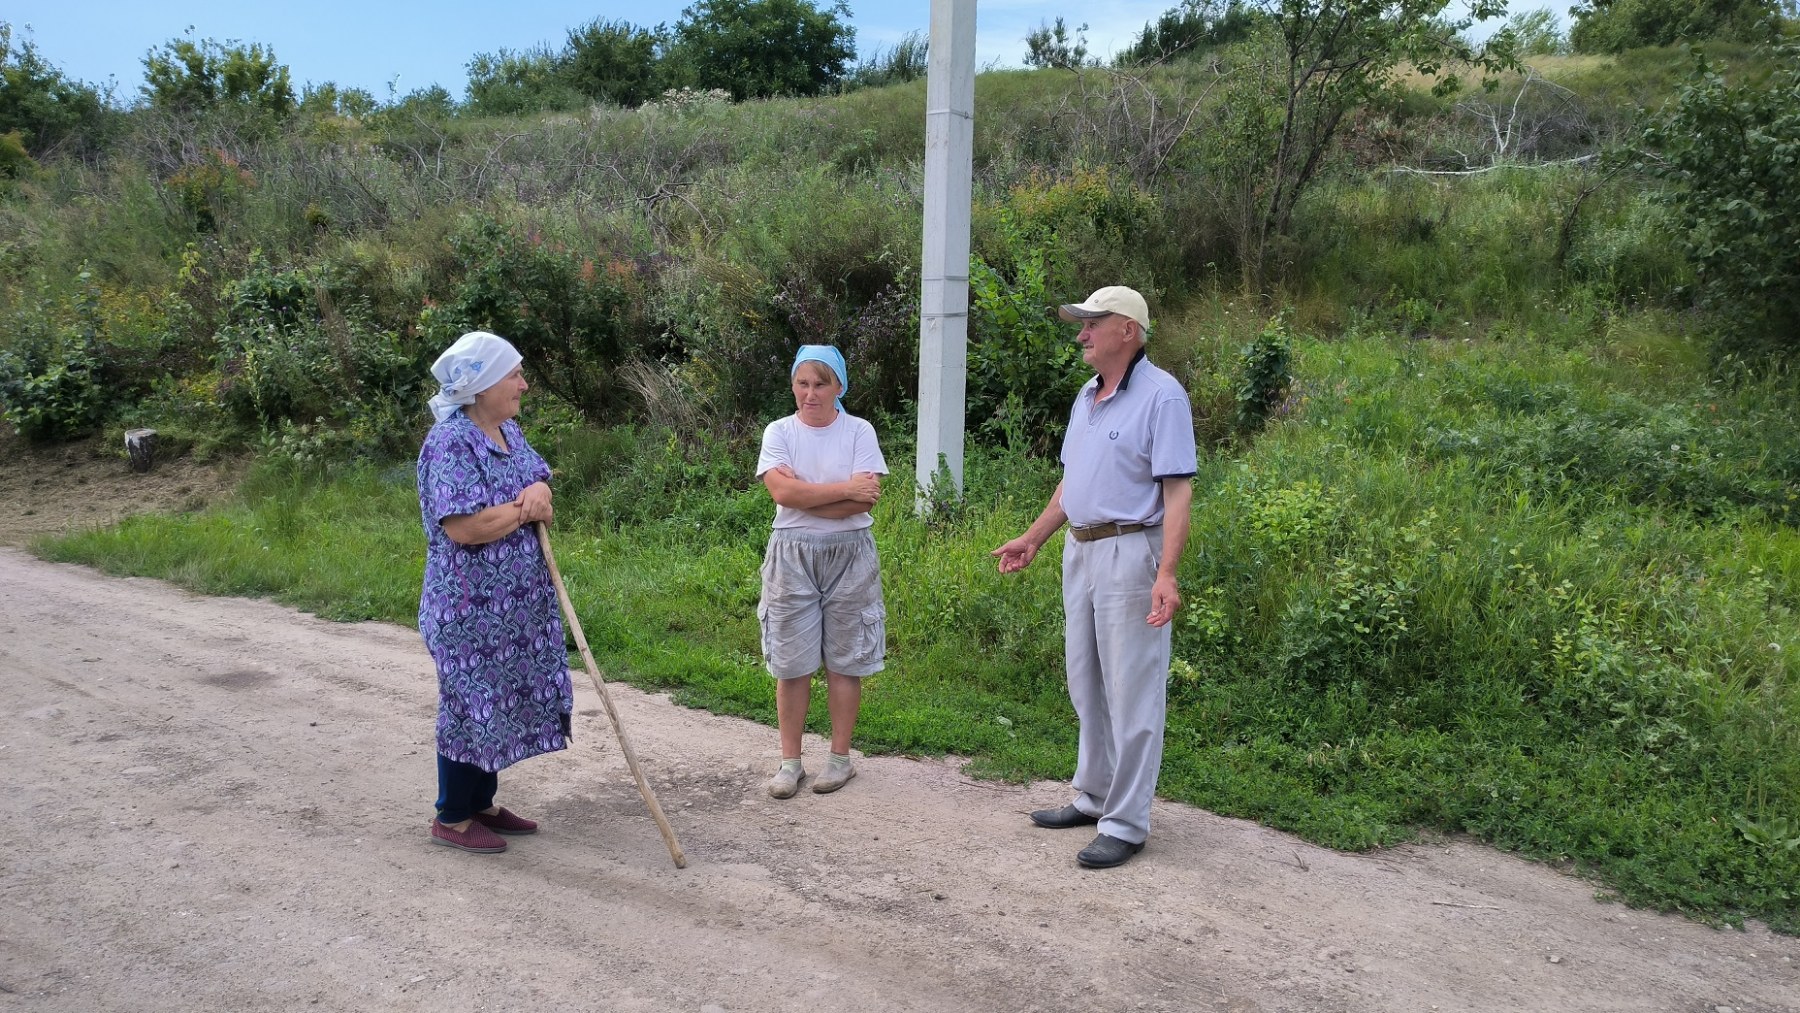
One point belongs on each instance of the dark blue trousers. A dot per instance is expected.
(463, 790)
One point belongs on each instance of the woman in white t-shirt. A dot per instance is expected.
(821, 579)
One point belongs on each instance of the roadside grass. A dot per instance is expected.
(1541, 592)
(333, 547)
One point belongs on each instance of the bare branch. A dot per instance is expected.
(1410, 171)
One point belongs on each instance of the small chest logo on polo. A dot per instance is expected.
(1113, 435)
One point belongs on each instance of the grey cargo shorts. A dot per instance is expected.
(821, 604)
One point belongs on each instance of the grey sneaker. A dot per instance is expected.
(836, 776)
(785, 782)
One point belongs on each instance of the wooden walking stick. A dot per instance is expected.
(593, 670)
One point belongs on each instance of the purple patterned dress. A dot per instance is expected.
(489, 613)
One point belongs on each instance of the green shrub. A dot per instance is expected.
(808, 256)
(851, 238)
(508, 83)
(386, 280)
(58, 380)
(1024, 367)
(1360, 620)
(313, 373)
(1732, 151)
(1051, 241)
(575, 315)
(57, 401)
(698, 485)
(209, 187)
(194, 77)
(1189, 31)
(714, 314)
(1613, 26)
(313, 379)
(275, 298)
(1264, 376)
(1091, 223)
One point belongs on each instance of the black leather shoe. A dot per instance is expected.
(1062, 819)
(1106, 852)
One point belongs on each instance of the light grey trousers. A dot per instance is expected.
(1118, 669)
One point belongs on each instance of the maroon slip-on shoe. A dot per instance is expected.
(474, 837)
(506, 822)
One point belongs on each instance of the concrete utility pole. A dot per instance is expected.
(944, 268)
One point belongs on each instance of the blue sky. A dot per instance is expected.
(374, 44)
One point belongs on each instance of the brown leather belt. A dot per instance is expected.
(1095, 532)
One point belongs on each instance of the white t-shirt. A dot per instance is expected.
(826, 454)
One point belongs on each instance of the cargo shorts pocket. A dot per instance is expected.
(871, 641)
(762, 625)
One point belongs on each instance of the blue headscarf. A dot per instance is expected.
(831, 357)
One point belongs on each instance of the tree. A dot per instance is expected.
(1196, 27)
(614, 61)
(1050, 45)
(1732, 153)
(1536, 33)
(195, 77)
(415, 123)
(329, 100)
(44, 108)
(432, 103)
(507, 83)
(760, 48)
(1316, 62)
(1613, 26)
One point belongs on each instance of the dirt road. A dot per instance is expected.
(217, 804)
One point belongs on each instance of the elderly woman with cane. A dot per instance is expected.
(489, 610)
(821, 579)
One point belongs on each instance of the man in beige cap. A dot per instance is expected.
(1128, 467)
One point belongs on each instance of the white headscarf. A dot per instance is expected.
(477, 361)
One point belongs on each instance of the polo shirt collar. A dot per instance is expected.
(1125, 381)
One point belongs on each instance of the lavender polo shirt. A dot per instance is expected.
(1117, 451)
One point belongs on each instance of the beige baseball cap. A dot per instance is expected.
(1111, 299)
